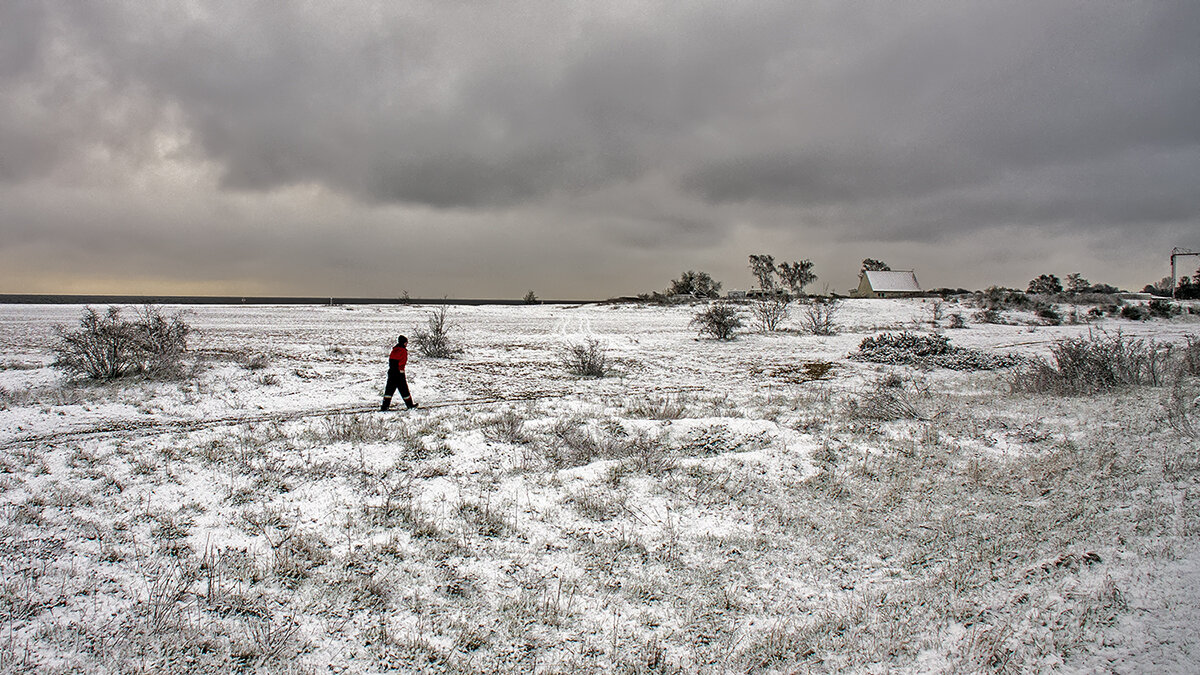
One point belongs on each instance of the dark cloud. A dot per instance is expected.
(662, 126)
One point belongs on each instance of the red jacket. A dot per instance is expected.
(398, 358)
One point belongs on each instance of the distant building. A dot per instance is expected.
(735, 294)
(890, 284)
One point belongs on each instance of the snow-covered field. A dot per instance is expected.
(708, 507)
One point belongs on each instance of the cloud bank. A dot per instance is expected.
(589, 149)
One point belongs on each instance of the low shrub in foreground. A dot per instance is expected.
(585, 359)
(106, 346)
(927, 350)
(1189, 353)
(1097, 363)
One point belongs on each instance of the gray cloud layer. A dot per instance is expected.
(575, 138)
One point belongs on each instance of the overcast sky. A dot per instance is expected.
(469, 148)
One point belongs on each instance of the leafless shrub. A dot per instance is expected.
(889, 399)
(266, 641)
(937, 311)
(719, 321)
(585, 359)
(649, 453)
(434, 339)
(957, 321)
(572, 444)
(167, 585)
(107, 347)
(389, 495)
(991, 315)
(257, 362)
(540, 600)
(1182, 410)
(1189, 356)
(355, 429)
(506, 427)
(819, 315)
(1099, 362)
(485, 520)
(771, 312)
(659, 408)
(598, 504)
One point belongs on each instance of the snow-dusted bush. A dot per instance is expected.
(434, 339)
(885, 404)
(257, 361)
(819, 315)
(1162, 309)
(1048, 313)
(989, 315)
(585, 359)
(506, 427)
(1182, 409)
(719, 321)
(1097, 363)
(771, 312)
(355, 429)
(107, 346)
(658, 408)
(999, 298)
(1189, 356)
(927, 350)
(1135, 312)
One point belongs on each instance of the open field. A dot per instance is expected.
(761, 505)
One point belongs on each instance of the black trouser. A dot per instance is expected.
(396, 380)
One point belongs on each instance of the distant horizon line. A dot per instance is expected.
(155, 298)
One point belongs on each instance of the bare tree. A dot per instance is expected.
(873, 265)
(797, 275)
(763, 268)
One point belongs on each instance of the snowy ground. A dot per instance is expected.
(709, 507)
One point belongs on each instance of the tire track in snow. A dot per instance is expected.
(164, 426)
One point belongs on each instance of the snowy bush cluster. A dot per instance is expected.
(1096, 363)
(107, 346)
(929, 350)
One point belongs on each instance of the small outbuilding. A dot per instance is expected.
(889, 284)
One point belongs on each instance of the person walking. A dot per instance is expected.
(395, 376)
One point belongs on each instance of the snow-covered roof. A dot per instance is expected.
(901, 281)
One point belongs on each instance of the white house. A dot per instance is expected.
(890, 284)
